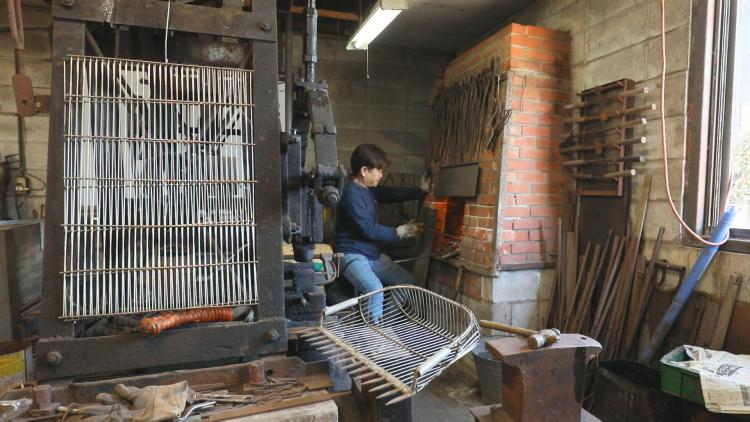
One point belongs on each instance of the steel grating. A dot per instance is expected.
(158, 187)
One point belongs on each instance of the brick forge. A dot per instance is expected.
(508, 232)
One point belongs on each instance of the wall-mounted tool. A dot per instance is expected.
(534, 339)
(602, 126)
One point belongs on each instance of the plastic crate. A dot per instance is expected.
(680, 381)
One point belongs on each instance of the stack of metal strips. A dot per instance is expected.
(158, 187)
(417, 336)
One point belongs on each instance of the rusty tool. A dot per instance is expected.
(606, 114)
(534, 339)
(604, 99)
(630, 123)
(629, 159)
(598, 146)
(624, 173)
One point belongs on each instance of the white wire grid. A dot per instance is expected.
(158, 187)
(416, 325)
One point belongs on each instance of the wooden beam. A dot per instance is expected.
(332, 14)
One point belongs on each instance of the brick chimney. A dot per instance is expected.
(508, 234)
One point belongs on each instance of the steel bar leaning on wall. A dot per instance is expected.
(158, 187)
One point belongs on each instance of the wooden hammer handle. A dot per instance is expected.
(506, 328)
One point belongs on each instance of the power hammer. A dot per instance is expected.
(535, 339)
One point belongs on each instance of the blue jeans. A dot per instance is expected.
(367, 276)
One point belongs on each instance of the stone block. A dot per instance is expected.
(349, 117)
(386, 120)
(327, 48)
(626, 63)
(675, 93)
(678, 45)
(660, 214)
(386, 98)
(652, 131)
(621, 30)
(348, 139)
(395, 142)
(677, 14)
(387, 75)
(348, 94)
(418, 99)
(419, 122)
(604, 10)
(524, 314)
(577, 48)
(560, 15)
(516, 286)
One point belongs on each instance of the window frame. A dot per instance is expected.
(709, 126)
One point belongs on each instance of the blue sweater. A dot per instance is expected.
(357, 228)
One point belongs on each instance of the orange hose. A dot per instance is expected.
(153, 326)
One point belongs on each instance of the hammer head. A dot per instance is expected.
(543, 338)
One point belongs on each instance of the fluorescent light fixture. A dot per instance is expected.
(384, 12)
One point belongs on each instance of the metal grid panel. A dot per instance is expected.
(405, 335)
(158, 187)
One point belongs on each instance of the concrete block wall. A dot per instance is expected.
(37, 20)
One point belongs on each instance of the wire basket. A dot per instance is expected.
(398, 338)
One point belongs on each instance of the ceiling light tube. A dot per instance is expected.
(384, 12)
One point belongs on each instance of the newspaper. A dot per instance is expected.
(725, 379)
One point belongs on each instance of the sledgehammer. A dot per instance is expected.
(535, 339)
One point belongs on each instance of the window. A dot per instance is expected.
(719, 118)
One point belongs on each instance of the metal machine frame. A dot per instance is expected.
(59, 354)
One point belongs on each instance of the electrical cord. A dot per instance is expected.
(166, 30)
(695, 235)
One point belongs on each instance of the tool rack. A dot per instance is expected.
(599, 143)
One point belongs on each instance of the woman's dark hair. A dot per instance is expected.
(370, 156)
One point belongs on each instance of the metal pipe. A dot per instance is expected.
(688, 285)
(288, 71)
(311, 40)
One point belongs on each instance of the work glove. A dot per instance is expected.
(406, 231)
(426, 182)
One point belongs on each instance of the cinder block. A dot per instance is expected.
(407, 143)
(419, 122)
(348, 94)
(386, 120)
(603, 10)
(660, 214)
(387, 75)
(564, 15)
(617, 32)
(516, 286)
(349, 117)
(678, 44)
(386, 98)
(626, 63)
(677, 14)
(524, 314)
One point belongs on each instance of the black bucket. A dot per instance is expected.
(489, 372)
(630, 391)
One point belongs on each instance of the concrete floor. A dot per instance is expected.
(447, 398)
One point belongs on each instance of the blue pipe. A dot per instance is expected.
(687, 287)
